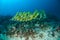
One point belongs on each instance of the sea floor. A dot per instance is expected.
(47, 34)
(33, 31)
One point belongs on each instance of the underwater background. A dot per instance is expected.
(10, 7)
(29, 19)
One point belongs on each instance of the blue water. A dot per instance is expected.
(10, 7)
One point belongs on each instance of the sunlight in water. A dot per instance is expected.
(8, 1)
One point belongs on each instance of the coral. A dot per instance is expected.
(30, 26)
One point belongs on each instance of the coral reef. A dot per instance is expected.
(30, 26)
